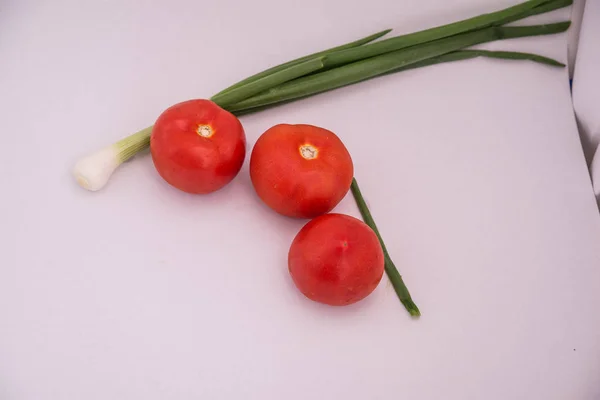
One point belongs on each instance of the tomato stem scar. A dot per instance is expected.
(308, 151)
(204, 131)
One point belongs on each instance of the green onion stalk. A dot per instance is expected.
(348, 64)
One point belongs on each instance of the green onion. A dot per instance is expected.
(94, 170)
(268, 81)
(450, 57)
(390, 269)
(541, 9)
(278, 68)
(512, 55)
(501, 17)
(428, 35)
(375, 66)
(468, 54)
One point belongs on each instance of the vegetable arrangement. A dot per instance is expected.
(303, 171)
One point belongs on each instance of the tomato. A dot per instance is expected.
(197, 146)
(300, 170)
(336, 259)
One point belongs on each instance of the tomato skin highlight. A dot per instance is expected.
(336, 259)
(300, 171)
(197, 146)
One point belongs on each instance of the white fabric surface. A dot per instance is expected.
(586, 88)
(473, 171)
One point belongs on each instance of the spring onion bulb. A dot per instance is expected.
(93, 171)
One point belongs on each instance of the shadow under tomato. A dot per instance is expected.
(365, 305)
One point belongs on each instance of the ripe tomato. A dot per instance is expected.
(197, 146)
(336, 259)
(300, 170)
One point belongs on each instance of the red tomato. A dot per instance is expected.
(300, 170)
(336, 259)
(197, 146)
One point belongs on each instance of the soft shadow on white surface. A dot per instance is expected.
(586, 91)
(473, 170)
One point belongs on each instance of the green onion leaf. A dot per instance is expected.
(514, 55)
(544, 8)
(375, 66)
(280, 67)
(428, 35)
(267, 82)
(390, 269)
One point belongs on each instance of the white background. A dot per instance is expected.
(473, 170)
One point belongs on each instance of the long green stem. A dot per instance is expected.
(344, 54)
(375, 66)
(267, 82)
(390, 268)
(429, 35)
(541, 9)
(288, 64)
(133, 144)
(450, 57)
(514, 55)
(468, 54)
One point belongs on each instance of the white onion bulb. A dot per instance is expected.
(93, 171)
